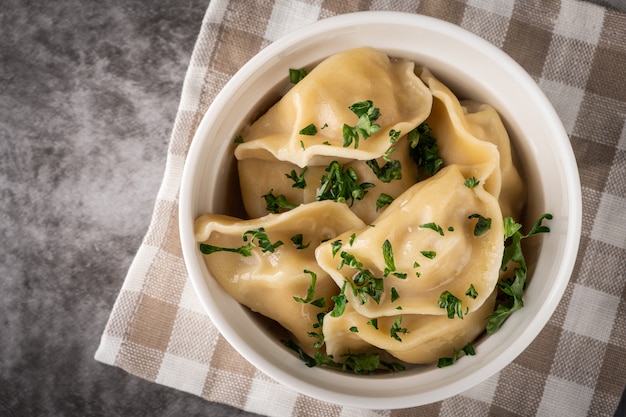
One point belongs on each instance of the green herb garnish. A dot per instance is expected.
(424, 150)
(373, 323)
(335, 246)
(471, 182)
(432, 226)
(249, 236)
(482, 225)
(297, 240)
(309, 130)
(395, 329)
(238, 139)
(340, 302)
(392, 170)
(365, 127)
(466, 350)
(296, 75)
(342, 186)
(298, 179)
(430, 254)
(394, 294)
(471, 292)
(383, 200)
(273, 203)
(512, 290)
(451, 304)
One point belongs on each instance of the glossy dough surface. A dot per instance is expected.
(421, 246)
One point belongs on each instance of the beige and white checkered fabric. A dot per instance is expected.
(576, 51)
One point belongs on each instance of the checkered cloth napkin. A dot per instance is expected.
(576, 51)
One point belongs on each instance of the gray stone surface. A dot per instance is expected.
(88, 96)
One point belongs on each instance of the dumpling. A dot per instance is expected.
(258, 177)
(439, 237)
(413, 338)
(471, 133)
(281, 251)
(323, 99)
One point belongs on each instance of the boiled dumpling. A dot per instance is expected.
(267, 280)
(323, 99)
(426, 243)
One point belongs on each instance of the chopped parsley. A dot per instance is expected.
(273, 203)
(335, 246)
(392, 170)
(373, 323)
(238, 139)
(394, 294)
(262, 241)
(342, 186)
(394, 135)
(340, 302)
(432, 226)
(471, 292)
(365, 127)
(383, 200)
(390, 266)
(482, 225)
(354, 329)
(466, 350)
(311, 291)
(297, 240)
(471, 182)
(511, 290)
(395, 329)
(429, 254)
(424, 150)
(309, 130)
(451, 304)
(296, 75)
(298, 179)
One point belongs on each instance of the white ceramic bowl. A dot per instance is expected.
(472, 68)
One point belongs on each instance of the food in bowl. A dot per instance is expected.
(378, 209)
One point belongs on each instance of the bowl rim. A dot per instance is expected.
(573, 223)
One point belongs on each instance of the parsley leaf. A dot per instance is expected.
(432, 226)
(262, 239)
(511, 290)
(466, 350)
(297, 240)
(373, 323)
(424, 150)
(340, 302)
(383, 200)
(309, 130)
(367, 114)
(390, 265)
(392, 170)
(339, 185)
(482, 225)
(273, 203)
(471, 182)
(298, 179)
(311, 291)
(394, 294)
(395, 329)
(451, 304)
(471, 292)
(429, 254)
(296, 75)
